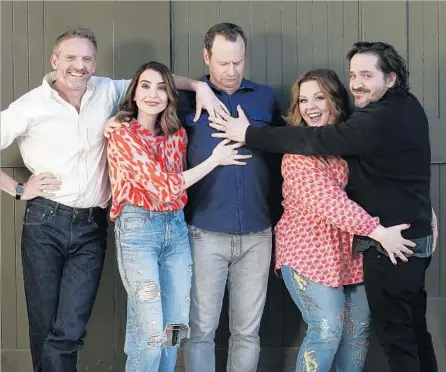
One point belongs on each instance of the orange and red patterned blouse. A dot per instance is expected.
(314, 236)
(146, 170)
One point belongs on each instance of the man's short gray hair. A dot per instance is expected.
(77, 32)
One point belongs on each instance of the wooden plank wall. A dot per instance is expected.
(285, 39)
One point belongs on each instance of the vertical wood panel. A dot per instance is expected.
(8, 271)
(304, 36)
(430, 58)
(320, 34)
(7, 68)
(416, 48)
(180, 38)
(10, 156)
(351, 32)
(274, 45)
(336, 54)
(21, 53)
(141, 34)
(385, 24)
(36, 43)
(442, 59)
(202, 15)
(258, 42)
(289, 50)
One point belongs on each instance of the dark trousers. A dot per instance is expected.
(63, 251)
(397, 301)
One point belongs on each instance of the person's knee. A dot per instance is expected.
(148, 291)
(329, 329)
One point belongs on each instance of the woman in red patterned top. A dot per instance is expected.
(147, 159)
(314, 237)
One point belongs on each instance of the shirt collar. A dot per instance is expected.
(246, 84)
(49, 78)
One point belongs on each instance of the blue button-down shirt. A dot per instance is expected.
(233, 199)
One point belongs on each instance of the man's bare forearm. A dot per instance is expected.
(7, 183)
(184, 83)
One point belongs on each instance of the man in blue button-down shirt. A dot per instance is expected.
(230, 212)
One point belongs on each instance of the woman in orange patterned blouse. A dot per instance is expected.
(147, 159)
(314, 237)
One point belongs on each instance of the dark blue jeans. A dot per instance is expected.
(63, 251)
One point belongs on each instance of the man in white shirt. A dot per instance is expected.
(59, 127)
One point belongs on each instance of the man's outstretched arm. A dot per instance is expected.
(358, 135)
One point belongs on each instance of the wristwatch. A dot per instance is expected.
(19, 190)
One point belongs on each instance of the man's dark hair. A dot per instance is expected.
(388, 61)
(229, 31)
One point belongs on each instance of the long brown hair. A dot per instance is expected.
(333, 90)
(167, 120)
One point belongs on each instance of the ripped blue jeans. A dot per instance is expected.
(155, 265)
(338, 322)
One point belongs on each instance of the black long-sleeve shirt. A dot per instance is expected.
(387, 148)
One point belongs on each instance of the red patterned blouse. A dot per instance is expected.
(146, 170)
(314, 236)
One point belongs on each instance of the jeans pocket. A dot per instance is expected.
(132, 224)
(37, 215)
(194, 232)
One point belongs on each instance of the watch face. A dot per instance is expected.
(19, 189)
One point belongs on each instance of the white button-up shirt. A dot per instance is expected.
(53, 137)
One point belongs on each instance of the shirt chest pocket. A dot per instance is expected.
(260, 118)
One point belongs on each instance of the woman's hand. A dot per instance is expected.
(227, 154)
(393, 242)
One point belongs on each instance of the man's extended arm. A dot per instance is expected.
(356, 136)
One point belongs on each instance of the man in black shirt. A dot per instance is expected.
(386, 144)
